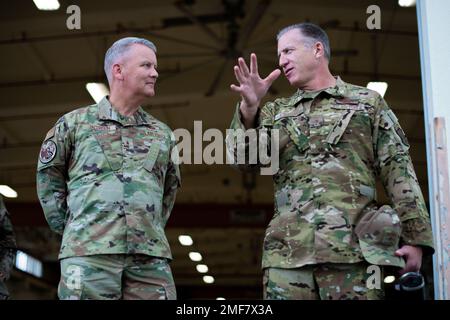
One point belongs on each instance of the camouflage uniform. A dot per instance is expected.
(329, 281)
(334, 143)
(7, 249)
(107, 182)
(95, 277)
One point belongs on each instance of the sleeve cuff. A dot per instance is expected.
(417, 232)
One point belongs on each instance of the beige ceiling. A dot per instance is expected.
(45, 68)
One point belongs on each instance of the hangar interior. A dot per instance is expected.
(46, 66)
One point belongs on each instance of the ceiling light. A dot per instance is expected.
(195, 256)
(220, 298)
(202, 268)
(28, 264)
(406, 3)
(47, 4)
(389, 279)
(379, 87)
(97, 91)
(185, 240)
(208, 279)
(7, 191)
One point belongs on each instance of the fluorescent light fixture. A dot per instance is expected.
(379, 87)
(47, 4)
(195, 256)
(97, 91)
(220, 298)
(208, 279)
(185, 240)
(28, 264)
(7, 191)
(406, 3)
(202, 268)
(389, 279)
(21, 260)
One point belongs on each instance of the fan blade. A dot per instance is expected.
(252, 22)
(200, 24)
(217, 79)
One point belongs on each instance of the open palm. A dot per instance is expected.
(252, 87)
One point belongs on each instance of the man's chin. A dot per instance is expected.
(295, 83)
(292, 82)
(290, 79)
(146, 96)
(150, 94)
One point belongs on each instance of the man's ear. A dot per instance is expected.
(117, 72)
(319, 50)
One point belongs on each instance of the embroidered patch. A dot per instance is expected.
(48, 151)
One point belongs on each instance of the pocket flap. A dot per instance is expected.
(152, 156)
(293, 113)
(297, 136)
(110, 140)
(387, 119)
(339, 127)
(356, 107)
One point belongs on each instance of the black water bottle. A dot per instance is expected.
(411, 286)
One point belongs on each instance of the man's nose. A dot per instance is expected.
(154, 74)
(282, 61)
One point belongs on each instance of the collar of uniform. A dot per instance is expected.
(339, 90)
(107, 112)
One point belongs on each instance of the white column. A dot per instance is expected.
(434, 25)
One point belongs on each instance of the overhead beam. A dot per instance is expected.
(39, 60)
(118, 31)
(199, 23)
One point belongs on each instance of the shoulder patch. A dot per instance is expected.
(48, 151)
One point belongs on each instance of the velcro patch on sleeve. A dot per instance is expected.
(48, 151)
(50, 133)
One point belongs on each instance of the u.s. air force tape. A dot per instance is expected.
(48, 151)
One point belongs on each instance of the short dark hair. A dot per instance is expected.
(311, 31)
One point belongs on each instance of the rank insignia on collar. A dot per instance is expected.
(48, 151)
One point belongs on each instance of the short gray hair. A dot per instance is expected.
(312, 32)
(119, 48)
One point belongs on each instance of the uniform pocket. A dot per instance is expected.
(293, 126)
(389, 122)
(152, 156)
(339, 127)
(291, 129)
(299, 138)
(347, 112)
(170, 292)
(110, 140)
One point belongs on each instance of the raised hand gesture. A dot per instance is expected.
(251, 87)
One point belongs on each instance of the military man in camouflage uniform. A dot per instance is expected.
(7, 249)
(335, 139)
(107, 183)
